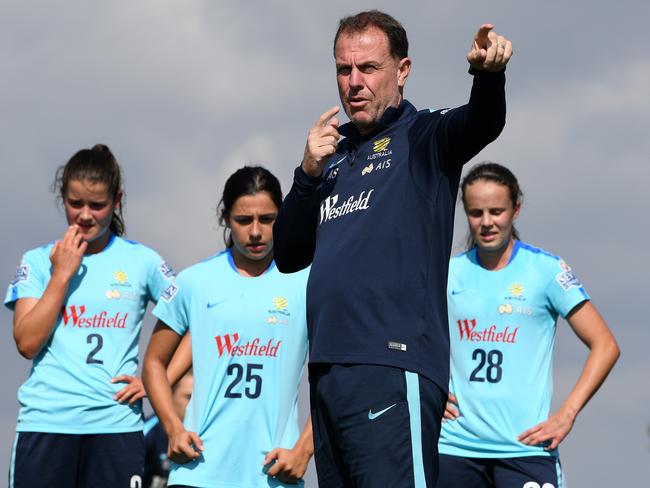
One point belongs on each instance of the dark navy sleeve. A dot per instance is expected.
(464, 131)
(294, 231)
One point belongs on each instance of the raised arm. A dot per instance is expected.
(592, 330)
(464, 131)
(35, 318)
(294, 231)
(183, 445)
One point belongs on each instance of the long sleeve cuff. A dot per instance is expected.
(303, 184)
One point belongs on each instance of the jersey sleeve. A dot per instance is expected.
(565, 290)
(173, 306)
(160, 277)
(464, 131)
(30, 279)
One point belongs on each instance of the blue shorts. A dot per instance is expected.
(374, 426)
(524, 471)
(77, 460)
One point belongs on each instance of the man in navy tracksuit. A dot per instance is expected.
(373, 214)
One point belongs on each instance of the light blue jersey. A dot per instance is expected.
(69, 389)
(502, 331)
(249, 345)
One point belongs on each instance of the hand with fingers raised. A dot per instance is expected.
(321, 143)
(67, 253)
(490, 51)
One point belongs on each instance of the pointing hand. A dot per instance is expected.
(321, 143)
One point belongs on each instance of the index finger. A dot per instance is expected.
(69, 234)
(483, 31)
(324, 119)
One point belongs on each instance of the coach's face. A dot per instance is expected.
(369, 78)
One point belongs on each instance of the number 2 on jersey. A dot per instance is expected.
(493, 372)
(91, 355)
(256, 380)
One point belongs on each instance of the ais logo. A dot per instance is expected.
(367, 170)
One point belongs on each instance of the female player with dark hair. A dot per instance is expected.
(78, 305)
(504, 300)
(248, 331)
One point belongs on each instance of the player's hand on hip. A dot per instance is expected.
(321, 143)
(288, 465)
(67, 253)
(550, 432)
(451, 409)
(184, 446)
(132, 392)
(490, 51)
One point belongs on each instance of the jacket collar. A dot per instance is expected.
(390, 117)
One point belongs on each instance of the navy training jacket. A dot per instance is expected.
(377, 229)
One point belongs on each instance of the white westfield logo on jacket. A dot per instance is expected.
(329, 210)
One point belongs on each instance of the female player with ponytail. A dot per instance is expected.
(78, 305)
(504, 299)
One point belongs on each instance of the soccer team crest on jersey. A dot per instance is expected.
(121, 277)
(379, 157)
(516, 289)
(515, 292)
(279, 313)
(381, 144)
(21, 274)
(281, 303)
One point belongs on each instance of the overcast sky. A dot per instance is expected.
(186, 92)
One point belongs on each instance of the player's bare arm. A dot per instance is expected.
(183, 445)
(593, 331)
(34, 318)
